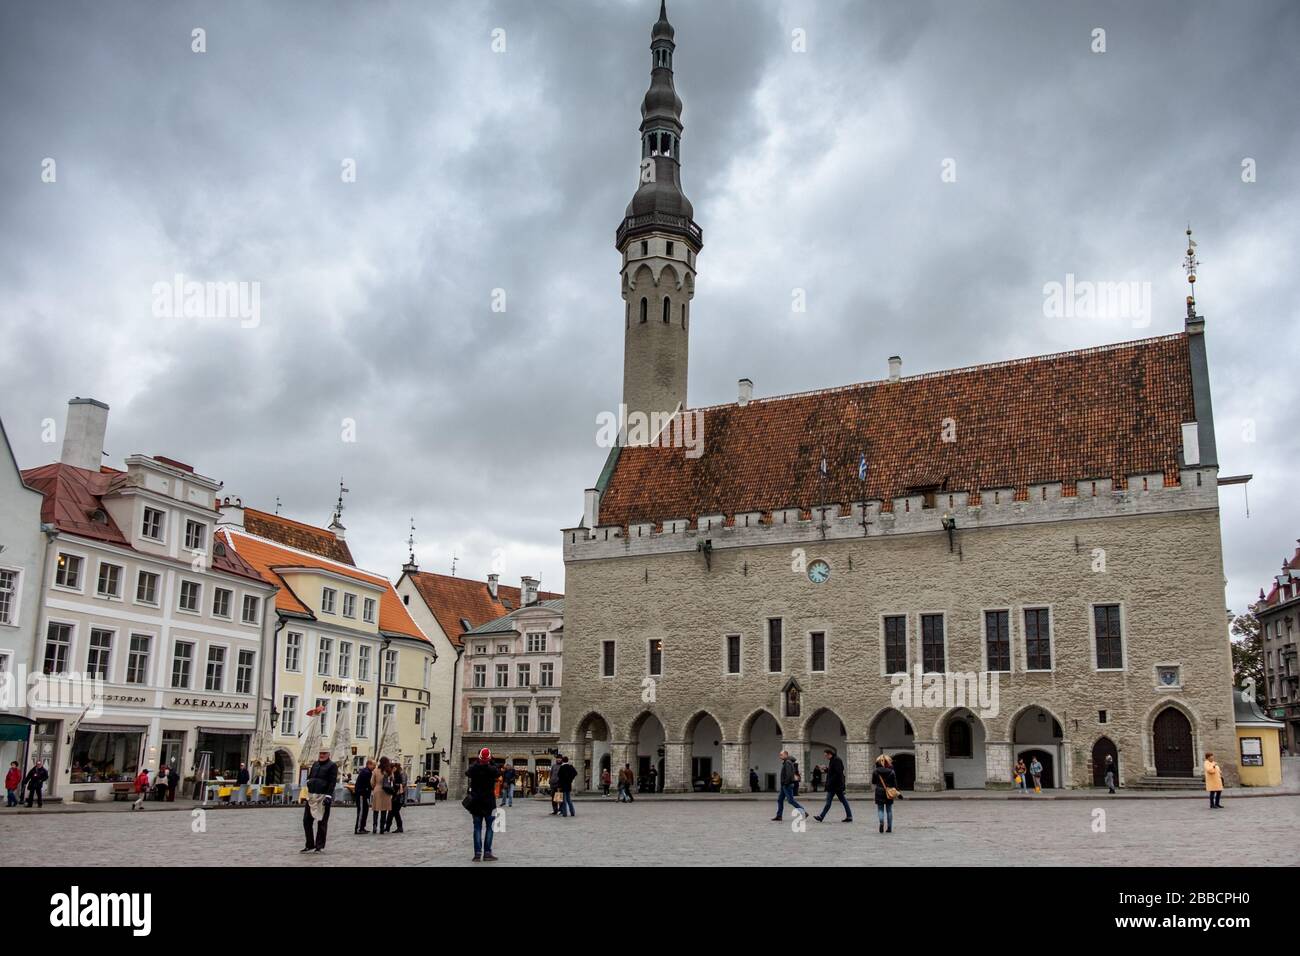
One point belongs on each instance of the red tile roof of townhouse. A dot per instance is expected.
(295, 534)
(266, 556)
(72, 504)
(1103, 412)
(453, 599)
(1275, 593)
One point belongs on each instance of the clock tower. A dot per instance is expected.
(659, 242)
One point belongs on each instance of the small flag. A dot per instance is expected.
(862, 467)
(823, 466)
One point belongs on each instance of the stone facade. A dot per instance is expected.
(1154, 551)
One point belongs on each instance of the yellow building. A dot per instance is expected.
(1259, 743)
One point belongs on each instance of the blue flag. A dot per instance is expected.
(862, 467)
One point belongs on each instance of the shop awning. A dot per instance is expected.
(14, 727)
(226, 731)
(88, 728)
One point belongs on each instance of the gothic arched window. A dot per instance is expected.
(959, 738)
(668, 306)
(644, 307)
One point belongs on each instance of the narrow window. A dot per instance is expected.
(607, 659)
(932, 643)
(669, 248)
(1038, 640)
(818, 651)
(668, 307)
(683, 315)
(644, 309)
(733, 653)
(1110, 647)
(656, 658)
(896, 644)
(774, 645)
(997, 635)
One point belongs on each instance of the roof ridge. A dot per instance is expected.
(308, 554)
(287, 520)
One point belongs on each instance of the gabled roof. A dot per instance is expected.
(1291, 570)
(451, 599)
(295, 534)
(266, 556)
(506, 624)
(73, 504)
(1104, 412)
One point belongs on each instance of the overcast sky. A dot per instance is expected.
(818, 169)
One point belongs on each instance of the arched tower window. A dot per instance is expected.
(683, 315)
(667, 310)
(644, 307)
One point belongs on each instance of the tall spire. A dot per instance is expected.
(1190, 264)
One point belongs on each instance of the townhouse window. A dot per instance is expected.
(363, 662)
(221, 598)
(774, 645)
(476, 718)
(244, 672)
(521, 719)
(363, 718)
(997, 640)
(8, 595)
(524, 672)
(656, 661)
(1038, 639)
(1110, 646)
(480, 648)
(58, 644)
(932, 643)
(137, 659)
(733, 653)
(607, 659)
(216, 673)
(182, 662)
(503, 675)
(325, 650)
(191, 591)
(68, 573)
(349, 605)
(896, 644)
(345, 659)
(288, 715)
(368, 610)
(293, 651)
(419, 716)
(328, 598)
(499, 719)
(544, 719)
(152, 525)
(480, 675)
(252, 609)
(110, 581)
(196, 534)
(390, 667)
(537, 643)
(817, 651)
(146, 588)
(323, 705)
(100, 652)
(546, 672)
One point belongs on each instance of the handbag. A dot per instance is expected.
(891, 793)
(468, 803)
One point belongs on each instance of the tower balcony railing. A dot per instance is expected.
(651, 220)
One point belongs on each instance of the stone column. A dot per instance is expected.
(735, 772)
(929, 765)
(676, 767)
(620, 752)
(858, 762)
(998, 761)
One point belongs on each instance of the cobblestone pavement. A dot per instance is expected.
(1159, 832)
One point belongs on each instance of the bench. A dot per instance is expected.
(123, 791)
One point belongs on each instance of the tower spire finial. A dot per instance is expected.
(1190, 265)
(410, 566)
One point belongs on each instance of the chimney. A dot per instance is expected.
(83, 435)
(527, 591)
(746, 388)
(590, 507)
(493, 579)
(895, 368)
(230, 513)
(340, 532)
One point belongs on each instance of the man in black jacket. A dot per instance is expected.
(361, 790)
(173, 779)
(789, 774)
(321, 780)
(835, 787)
(567, 773)
(34, 783)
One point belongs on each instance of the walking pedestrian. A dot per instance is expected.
(626, 779)
(173, 781)
(399, 797)
(753, 780)
(789, 774)
(1022, 776)
(242, 779)
(1214, 782)
(835, 785)
(510, 776)
(886, 787)
(568, 773)
(1109, 773)
(482, 804)
(361, 791)
(1036, 771)
(13, 777)
(34, 783)
(381, 796)
(321, 780)
(141, 787)
(604, 782)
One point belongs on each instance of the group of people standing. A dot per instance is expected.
(884, 784)
(163, 785)
(31, 784)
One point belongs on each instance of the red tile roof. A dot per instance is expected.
(73, 505)
(450, 599)
(1097, 413)
(295, 534)
(266, 556)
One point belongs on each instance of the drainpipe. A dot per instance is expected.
(51, 535)
(455, 711)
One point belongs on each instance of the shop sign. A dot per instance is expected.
(209, 703)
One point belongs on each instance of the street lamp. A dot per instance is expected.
(950, 525)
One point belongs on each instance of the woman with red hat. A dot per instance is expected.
(481, 802)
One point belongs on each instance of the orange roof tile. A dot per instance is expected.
(295, 534)
(452, 599)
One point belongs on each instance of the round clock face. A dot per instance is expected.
(818, 572)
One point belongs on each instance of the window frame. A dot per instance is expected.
(82, 561)
(105, 669)
(920, 639)
(224, 650)
(767, 635)
(102, 565)
(811, 650)
(1010, 639)
(189, 661)
(739, 638)
(654, 653)
(157, 590)
(1121, 617)
(132, 654)
(1051, 637)
(885, 618)
(161, 536)
(180, 597)
(229, 603)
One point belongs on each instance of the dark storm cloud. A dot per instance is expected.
(477, 171)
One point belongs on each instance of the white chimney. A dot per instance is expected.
(83, 435)
(895, 368)
(746, 389)
(527, 591)
(590, 507)
(493, 579)
(230, 513)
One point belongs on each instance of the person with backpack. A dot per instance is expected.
(886, 787)
(835, 786)
(481, 803)
(789, 776)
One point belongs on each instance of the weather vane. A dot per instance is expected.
(1190, 265)
(277, 504)
(453, 565)
(410, 540)
(338, 508)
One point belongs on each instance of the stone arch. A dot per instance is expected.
(643, 274)
(669, 273)
(647, 738)
(591, 741)
(581, 726)
(761, 737)
(1102, 745)
(703, 739)
(1015, 718)
(1148, 733)
(1040, 739)
(962, 749)
(892, 732)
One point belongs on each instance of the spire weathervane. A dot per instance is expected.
(1190, 264)
(338, 507)
(410, 540)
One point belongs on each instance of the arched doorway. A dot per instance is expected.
(704, 736)
(1036, 731)
(1103, 748)
(962, 745)
(891, 734)
(763, 741)
(648, 747)
(905, 770)
(280, 769)
(593, 750)
(1048, 761)
(1171, 736)
(825, 729)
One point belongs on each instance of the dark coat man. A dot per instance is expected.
(322, 778)
(34, 783)
(361, 790)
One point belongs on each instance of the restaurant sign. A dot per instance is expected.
(208, 703)
(331, 688)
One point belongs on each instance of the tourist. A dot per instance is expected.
(1109, 773)
(510, 776)
(886, 784)
(789, 775)
(1213, 782)
(1022, 775)
(604, 782)
(557, 797)
(753, 781)
(141, 787)
(442, 788)
(1036, 771)
(173, 780)
(34, 783)
(361, 792)
(715, 782)
(816, 778)
(835, 785)
(568, 773)
(626, 778)
(481, 803)
(13, 777)
(381, 796)
(321, 780)
(399, 797)
(242, 779)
